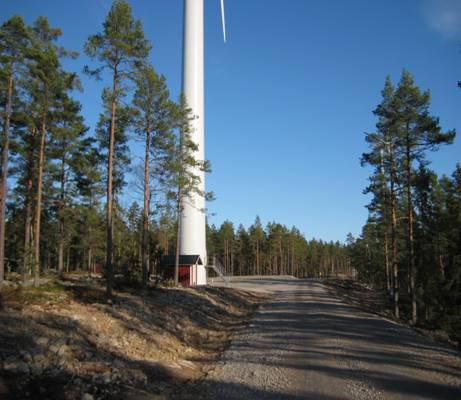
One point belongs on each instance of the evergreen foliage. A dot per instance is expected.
(414, 208)
(54, 216)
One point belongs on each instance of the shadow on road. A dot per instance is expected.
(315, 328)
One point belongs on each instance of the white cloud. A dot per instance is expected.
(443, 16)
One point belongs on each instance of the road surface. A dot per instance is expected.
(306, 344)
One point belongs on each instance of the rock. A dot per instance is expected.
(36, 369)
(42, 341)
(60, 341)
(25, 356)
(87, 396)
(4, 389)
(119, 363)
(54, 348)
(39, 358)
(61, 362)
(106, 377)
(65, 350)
(16, 367)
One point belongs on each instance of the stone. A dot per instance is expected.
(25, 355)
(87, 396)
(106, 377)
(39, 358)
(42, 341)
(60, 341)
(4, 389)
(54, 348)
(64, 350)
(36, 369)
(61, 362)
(16, 366)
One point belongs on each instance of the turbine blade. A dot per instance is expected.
(223, 19)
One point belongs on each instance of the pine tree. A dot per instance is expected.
(121, 48)
(88, 173)
(68, 139)
(154, 108)
(226, 238)
(385, 140)
(14, 41)
(418, 133)
(244, 250)
(257, 237)
(180, 182)
(50, 85)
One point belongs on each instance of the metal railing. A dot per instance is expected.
(214, 263)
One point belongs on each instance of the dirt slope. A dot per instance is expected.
(66, 341)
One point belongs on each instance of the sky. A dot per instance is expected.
(289, 97)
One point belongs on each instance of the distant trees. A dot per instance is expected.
(275, 250)
(409, 204)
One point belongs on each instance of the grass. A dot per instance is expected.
(28, 295)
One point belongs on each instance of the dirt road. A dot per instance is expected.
(306, 344)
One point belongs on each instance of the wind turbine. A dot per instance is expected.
(193, 223)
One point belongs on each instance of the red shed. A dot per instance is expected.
(187, 268)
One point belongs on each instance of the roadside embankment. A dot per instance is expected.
(66, 340)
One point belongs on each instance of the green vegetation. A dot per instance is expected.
(275, 250)
(54, 215)
(410, 243)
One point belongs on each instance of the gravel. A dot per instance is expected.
(304, 343)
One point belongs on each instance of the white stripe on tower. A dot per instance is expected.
(193, 231)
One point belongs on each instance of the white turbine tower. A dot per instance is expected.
(193, 223)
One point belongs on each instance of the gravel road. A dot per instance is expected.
(306, 344)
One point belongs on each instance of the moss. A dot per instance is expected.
(51, 291)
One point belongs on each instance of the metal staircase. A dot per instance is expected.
(214, 263)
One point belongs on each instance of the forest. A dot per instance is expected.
(410, 245)
(62, 182)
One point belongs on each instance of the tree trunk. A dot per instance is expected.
(145, 222)
(411, 243)
(28, 211)
(385, 215)
(176, 264)
(89, 261)
(395, 267)
(61, 221)
(109, 223)
(38, 199)
(4, 174)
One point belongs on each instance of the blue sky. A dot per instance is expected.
(290, 95)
